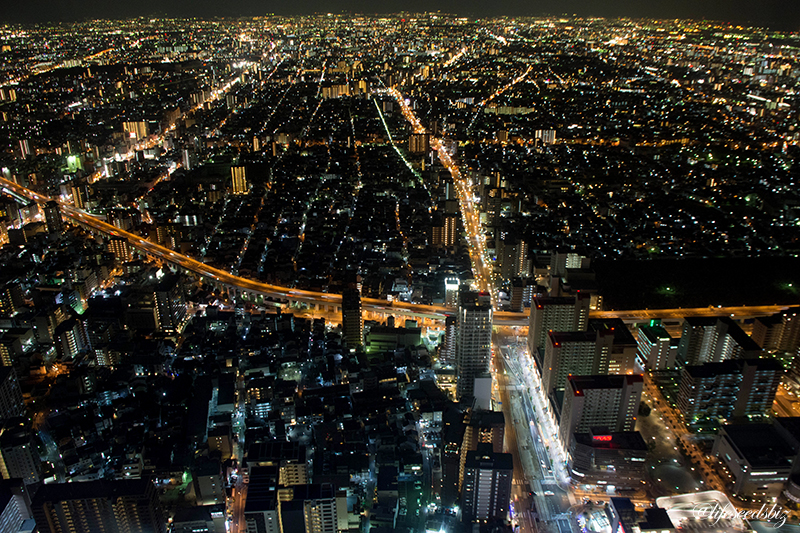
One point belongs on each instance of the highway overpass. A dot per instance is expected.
(327, 304)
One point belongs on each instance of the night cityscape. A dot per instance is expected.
(406, 273)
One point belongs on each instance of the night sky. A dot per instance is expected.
(776, 14)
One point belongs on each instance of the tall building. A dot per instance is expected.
(18, 455)
(492, 200)
(733, 388)
(289, 457)
(606, 348)
(15, 507)
(555, 314)
(11, 298)
(656, 349)
(71, 339)
(617, 345)
(481, 427)
(561, 261)
(170, 303)
(419, 143)
(573, 352)
(546, 136)
(80, 195)
(11, 401)
(313, 508)
(352, 319)
(52, 217)
(517, 295)
(24, 148)
(473, 341)
(239, 183)
(261, 508)
(136, 129)
(447, 350)
(121, 248)
(512, 254)
(99, 506)
(487, 485)
(209, 486)
(451, 284)
(444, 229)
(599, 401)
(714, 339)
(779, 332)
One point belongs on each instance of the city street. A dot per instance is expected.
(533, 470)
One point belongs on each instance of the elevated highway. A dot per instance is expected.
(327, 304)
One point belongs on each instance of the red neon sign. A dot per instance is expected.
(604, 438)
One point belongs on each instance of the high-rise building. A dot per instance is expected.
(313, 508)
(486, 491)
(80, 195)
(599, 401)
(561, 261)
(24, 148)
(714, 339)
(656, 349)
(492, 200)
(11, 402)
(170, 303)
(52, 217)
(136, 129)
(698, 339)
(481, 427)
(606, 348)
(617, 345)
(447, 350)
(10, 298)
(572, 352)
(208, 481)
(517, 296)
(451, 284)
(546, 136)
(121, 248)
(18, 455)
(444, 229)
(71, 339)
(779, 332)
(261, 509)
(512, 254)
(93, 506)
(189, 158)
(555, 314)
(239, 183)
(289, 457)
(352, 318)
(419, 143)
(15, 507)
(733, 388)
(473, 341)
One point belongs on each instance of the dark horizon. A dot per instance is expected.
(772, 14)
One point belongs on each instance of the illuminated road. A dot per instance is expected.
(323, 302)
(674, 423)
(520, 498)
(738, 312)
(482, 267)
(239, 497)
(326, 303)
